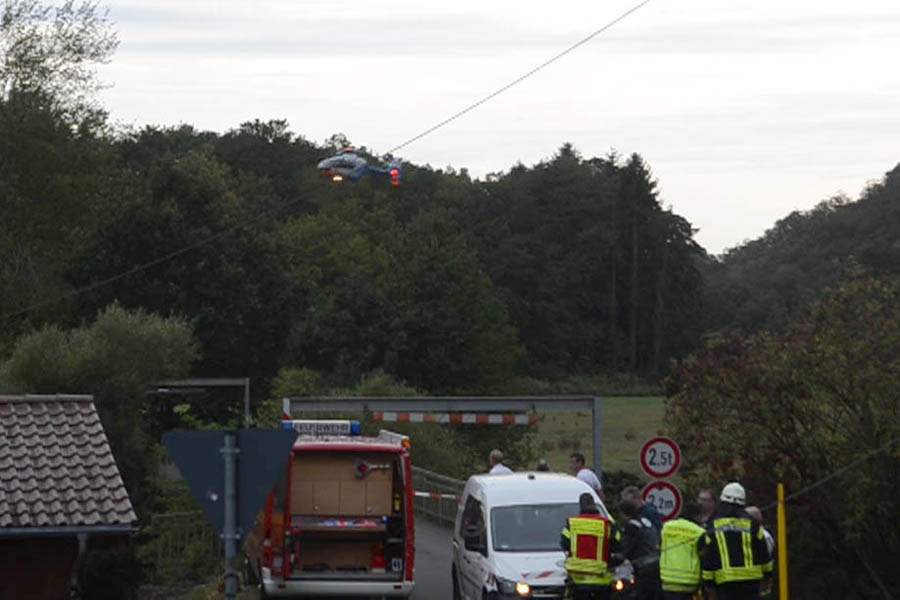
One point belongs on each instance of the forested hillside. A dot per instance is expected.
(568, 267)
(765, 283)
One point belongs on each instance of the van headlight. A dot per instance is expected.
(508, 587)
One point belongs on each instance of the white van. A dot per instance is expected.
(506, 537)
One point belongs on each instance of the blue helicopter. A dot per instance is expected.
(347, 164)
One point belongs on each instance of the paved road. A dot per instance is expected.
(433, 559)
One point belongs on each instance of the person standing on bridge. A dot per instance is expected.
(588, 541)
(576, 463)
(497, 466)
(735, 555)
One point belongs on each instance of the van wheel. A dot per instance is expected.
(456, 595)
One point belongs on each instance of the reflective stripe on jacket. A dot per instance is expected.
(679, 561)
(589, 538)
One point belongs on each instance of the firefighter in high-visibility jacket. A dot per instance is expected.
(588, 540)
(679, 555)
(735, 555)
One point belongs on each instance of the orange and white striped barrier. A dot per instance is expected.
(456, 418)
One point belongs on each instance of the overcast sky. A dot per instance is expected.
(745, 111)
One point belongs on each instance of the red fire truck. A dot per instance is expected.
(340, 520)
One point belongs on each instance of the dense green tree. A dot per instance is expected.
(767, 282)
(597, 276)
(269, 150)
(230, 282)
(51, 147)
(50, 179)
(341, 316)
(450, 329)
(797, 407)
(116, 358)
(138, 151)
(410, 300)
(539, 234)
(48, 54)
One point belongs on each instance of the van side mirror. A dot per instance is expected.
(472, 539)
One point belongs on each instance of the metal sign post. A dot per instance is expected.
(230, 534)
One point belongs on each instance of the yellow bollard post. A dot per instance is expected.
(782, 547)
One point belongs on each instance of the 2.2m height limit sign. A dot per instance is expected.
(665, 497)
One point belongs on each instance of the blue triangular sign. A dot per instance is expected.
(262, 459)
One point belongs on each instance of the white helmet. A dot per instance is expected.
(734, 493)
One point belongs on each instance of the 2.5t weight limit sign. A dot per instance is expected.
(660, 457)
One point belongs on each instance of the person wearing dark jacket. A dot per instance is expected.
(735, 555)
(640, 545)
(648, 511)
(707, 502)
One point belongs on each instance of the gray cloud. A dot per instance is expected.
(188, 31)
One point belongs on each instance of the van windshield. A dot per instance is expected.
(529, 527)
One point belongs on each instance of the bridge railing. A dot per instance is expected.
(437, 496)
(183, 547)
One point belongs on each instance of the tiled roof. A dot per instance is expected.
(56, 467)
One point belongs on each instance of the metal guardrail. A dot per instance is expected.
(185, 547)
(441, 509)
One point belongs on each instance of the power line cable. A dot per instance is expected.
(518, 80)
(152, 263)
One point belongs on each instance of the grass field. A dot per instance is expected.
(627, 423)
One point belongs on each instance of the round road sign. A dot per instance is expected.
(665, 497)
(660, 457)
